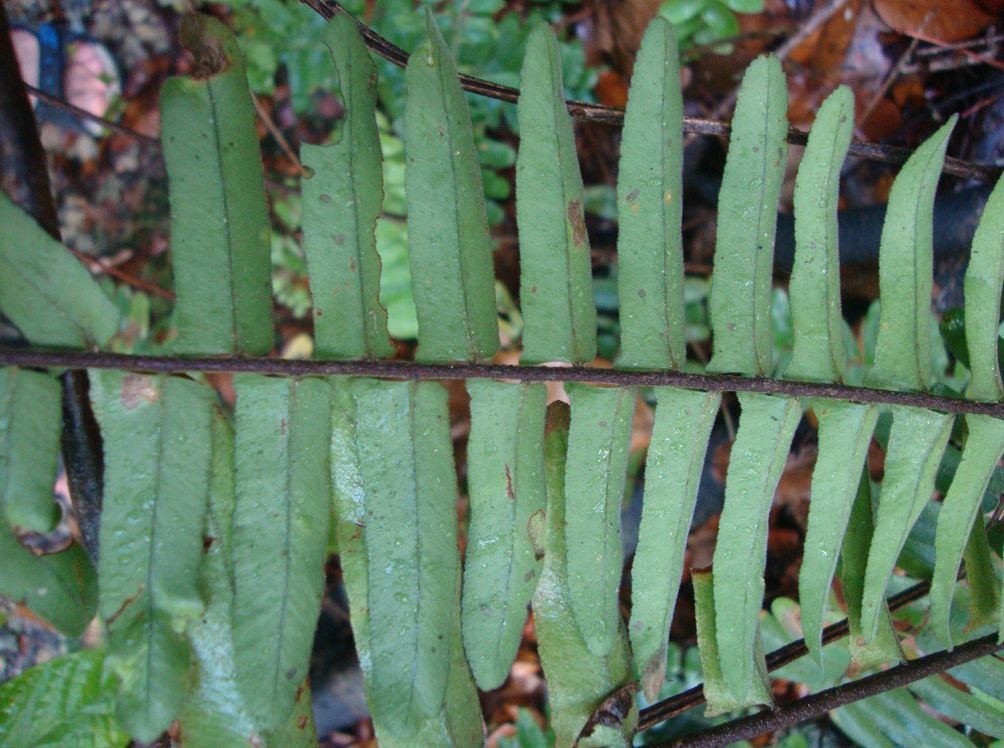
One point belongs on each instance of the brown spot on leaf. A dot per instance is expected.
(125, 604)
(138, 388)
(282, 426)
(510, 494)
(577, 221)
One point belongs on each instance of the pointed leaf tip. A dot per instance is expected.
(556, 290)
(739, 302)
(906, 270)
(449, 242)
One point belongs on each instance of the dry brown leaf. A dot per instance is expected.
(935, 20)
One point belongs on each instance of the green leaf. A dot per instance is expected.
(45, 291)
(577, 680)
(216, 713)
(857, 723)
(960, 509)
(69, 701)
(341, 203)
(683, 422)
(739, 303)
(594, 487)
(556, 290)
(717, 690)
(901, 719)
(981, 573)
(61, 588)
(845, 431)
(982, 288)
(395, 486)
(449, 243)
(758, 456)
(650, 206)
(157, 456)
(219, 217)
(916, 443)
(505, 467)
(866, 651)
(30, 419)
(903, 348)
(980, 714)
(819, 352)
(280, 532)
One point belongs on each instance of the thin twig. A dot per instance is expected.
(694, 697)
(276, 133)
(458, 371)
(821, 16)
(84, 114)
(818, 704)
(94, 264)
(893, 74)
(608, 115)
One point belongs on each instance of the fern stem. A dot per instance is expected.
(777, 659)
(817, 704)
(409, 370)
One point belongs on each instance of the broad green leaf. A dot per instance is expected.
(982, 286)
(683, 422)
(556, 291)
(916, 443)
(30, 418)
(448, 239)
(845, 431)
(594, 488)
(903, 348)
(857, 723)
(280, 532)
(717, 690)
(959, 511)
(341, 203)
(69, 701)
(578, 681)
(981, 574)
(505, 475)
(650, 206)
(819, 352)
(739, 303)
(984, 715)
(157, 456)
(219, 217)
(766, 428)
(883, 647)
(61, 588)
(985, 674)
(901, 719)
(216, 714)
(781, 627)
(44, 289)
(395, 489)
(459, 722)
